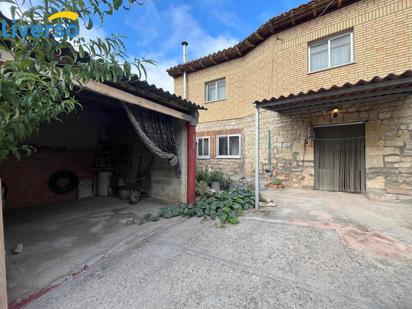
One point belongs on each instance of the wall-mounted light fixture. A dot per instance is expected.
(335, 112)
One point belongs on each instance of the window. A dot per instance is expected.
(228, 146)
(203, 148)
(215, 90)
(334, 52)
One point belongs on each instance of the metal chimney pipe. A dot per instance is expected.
(184, 45)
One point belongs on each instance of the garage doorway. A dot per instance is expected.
(340, 158)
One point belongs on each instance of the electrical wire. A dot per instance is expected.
(325, 8)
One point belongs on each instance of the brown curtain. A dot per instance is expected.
(340, 158)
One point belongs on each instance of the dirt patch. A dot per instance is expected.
(372, 242)
(375, 242)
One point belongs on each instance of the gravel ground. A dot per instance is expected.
(266, 261)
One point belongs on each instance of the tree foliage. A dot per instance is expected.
(39, 82)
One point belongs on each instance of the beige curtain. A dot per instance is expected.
(340, 158)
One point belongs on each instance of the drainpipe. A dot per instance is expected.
(191, 141)
(257, 184)
(184, 45)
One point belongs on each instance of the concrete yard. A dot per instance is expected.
(313, 250)
(61, 239)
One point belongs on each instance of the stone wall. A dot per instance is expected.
(230, 166)
(388, 134)
(165, 185)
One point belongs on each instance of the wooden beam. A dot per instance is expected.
(202, 64)
(238, 51)
(314, 9)
(257, 34)
(3, 285)
(292, 18)
(191, 68)
(135, 100)
(213, 60)
(272, 30)
(339, 3)
(249, 43)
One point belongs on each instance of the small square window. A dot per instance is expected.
(228, 146)
(215, 90)
(203, 148)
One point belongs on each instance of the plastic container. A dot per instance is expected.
(124, 193)
(103, 182)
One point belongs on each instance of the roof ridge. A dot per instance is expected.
(289, 19)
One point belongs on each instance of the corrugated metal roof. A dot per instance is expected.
(377, 86)
(158, 95)
(292, 18)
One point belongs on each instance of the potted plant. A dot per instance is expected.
(276, 183)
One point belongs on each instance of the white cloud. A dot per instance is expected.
(185, 27)
(158, 76)
(92, 34)
(160, 33)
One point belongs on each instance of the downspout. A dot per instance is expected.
(191, 142)
(269, 149)
(257, 184)
(184, 45)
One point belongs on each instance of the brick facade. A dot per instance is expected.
(382, 32)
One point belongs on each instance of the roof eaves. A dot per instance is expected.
(275, 25)
(390, 81)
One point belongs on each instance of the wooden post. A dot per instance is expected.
(3, 287)
(191, 163)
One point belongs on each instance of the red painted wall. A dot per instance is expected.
(27, 179)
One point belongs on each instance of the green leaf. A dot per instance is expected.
(222, 217)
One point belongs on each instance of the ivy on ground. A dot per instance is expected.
(227, 206)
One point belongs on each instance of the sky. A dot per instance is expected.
(156, 29)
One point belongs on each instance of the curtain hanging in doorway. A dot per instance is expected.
(157, 133)
(340, 158)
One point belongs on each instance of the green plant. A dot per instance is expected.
(227, 206)
(38, 83)
(213, 176)
(276, 181)
(202, 188)
(201, 174)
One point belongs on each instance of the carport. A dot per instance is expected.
(128, 150)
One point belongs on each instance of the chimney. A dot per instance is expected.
(184, 45)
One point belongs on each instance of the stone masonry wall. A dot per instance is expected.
(230, 166)
(388, 134)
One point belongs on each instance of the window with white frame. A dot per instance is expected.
(215, 90)
(330, 53)
(228, 146)
(203, 147)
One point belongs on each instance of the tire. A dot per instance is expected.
(54, 179)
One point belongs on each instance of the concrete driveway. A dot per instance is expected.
(313, 250)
